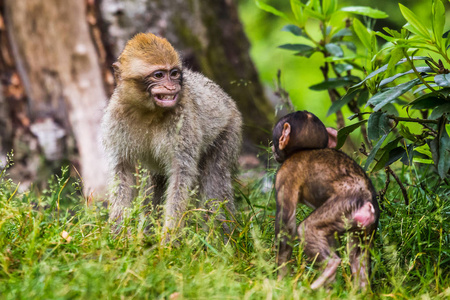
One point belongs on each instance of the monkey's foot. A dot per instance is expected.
(328, 274)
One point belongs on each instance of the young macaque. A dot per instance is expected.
(335, 186)
(176, 123)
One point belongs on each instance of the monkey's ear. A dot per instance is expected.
(284, 138)
(117, 75)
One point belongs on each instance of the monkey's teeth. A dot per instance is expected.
(166, 97)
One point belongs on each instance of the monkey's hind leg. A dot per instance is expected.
(359, 261)
(364, 223)
(317, 246)
(317, 234)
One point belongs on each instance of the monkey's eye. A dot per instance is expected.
(175, 73)
(158, 74)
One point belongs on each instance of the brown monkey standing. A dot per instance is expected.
(176, 123)
(334, 185)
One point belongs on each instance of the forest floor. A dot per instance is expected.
(55, 245)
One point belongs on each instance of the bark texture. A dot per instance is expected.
(59, 67)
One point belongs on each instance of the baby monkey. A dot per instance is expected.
(330, 182)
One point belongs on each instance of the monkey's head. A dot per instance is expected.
(151, 69)
(297, 131)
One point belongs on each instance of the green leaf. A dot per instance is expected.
(302, 49)
(341, 68)
(374, 151)
(384, 68)
(313, 8)
(447, 128)
(406, 133)
(396, 56)
(395, 154)
(296, 47)
(334, 83)
(419, 69)
(363, 97)
(316, 5)
(388, 95)
(446, 34)
(344, 132)
(306, 53)
(298, 12)
(329, 7)
(417, 26)
(440, 149)
(362, 33)
(341, 33)
(424, 149)
(442, 80)
(390, 109)
(377, 125)
(334, 50)
(412, 29)
(428, 101)
(408, 156)
(386, 37)
(295, 30)
(424, 87)
(381, 161)
(266, 7)
(366, 11)
(350, 45)
(439, 111)
(337, 105)
(438, 20)
(423, 160)
(390, 154)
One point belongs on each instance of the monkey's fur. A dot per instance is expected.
(178, 124)
(344, 200)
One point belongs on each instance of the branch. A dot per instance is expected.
(417, 120)
(402, 187)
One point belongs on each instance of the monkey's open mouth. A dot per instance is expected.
(166, 100)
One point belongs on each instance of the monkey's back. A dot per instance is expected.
(211, 105)
(320, 174)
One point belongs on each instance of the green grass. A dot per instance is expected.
(411, 258)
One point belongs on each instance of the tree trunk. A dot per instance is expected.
(211, 40)
(59, 68)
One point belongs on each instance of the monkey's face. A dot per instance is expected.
(164, 86)
(278, 155)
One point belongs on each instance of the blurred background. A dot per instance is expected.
(56, 75)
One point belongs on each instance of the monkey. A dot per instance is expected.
(307, 132)
(176, 123)
(342, 195)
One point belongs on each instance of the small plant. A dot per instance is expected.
(395, 77)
